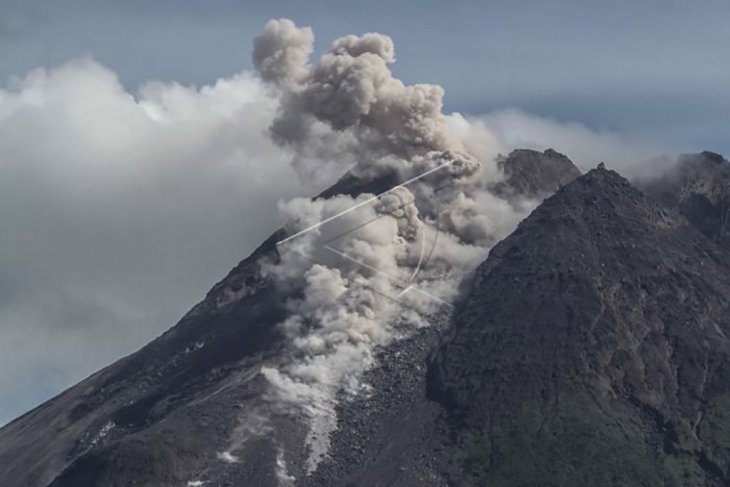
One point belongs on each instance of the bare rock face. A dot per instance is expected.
(534, 174)
(592, 349)
(699, 187)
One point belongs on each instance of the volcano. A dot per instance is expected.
(590, 347)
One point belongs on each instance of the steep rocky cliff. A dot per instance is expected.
(592, 349)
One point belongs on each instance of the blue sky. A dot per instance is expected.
(87, 275)
(657, 68)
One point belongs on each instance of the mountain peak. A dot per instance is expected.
(533, 174)
(596, 319)
(602, 198)
(714, 157)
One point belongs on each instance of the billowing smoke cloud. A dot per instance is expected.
(376, 264)
(383, 123)
(281, 54)
(365, 287)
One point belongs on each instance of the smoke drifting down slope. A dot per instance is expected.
(366, 268)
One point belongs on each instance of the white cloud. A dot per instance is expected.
(119, 210)
(631, 155)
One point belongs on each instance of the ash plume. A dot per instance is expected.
(377, 284)
(391, 126)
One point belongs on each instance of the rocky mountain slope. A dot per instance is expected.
(699, 188)
(590, 349)
(162, 415)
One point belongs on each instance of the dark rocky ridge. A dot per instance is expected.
(592, 349)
